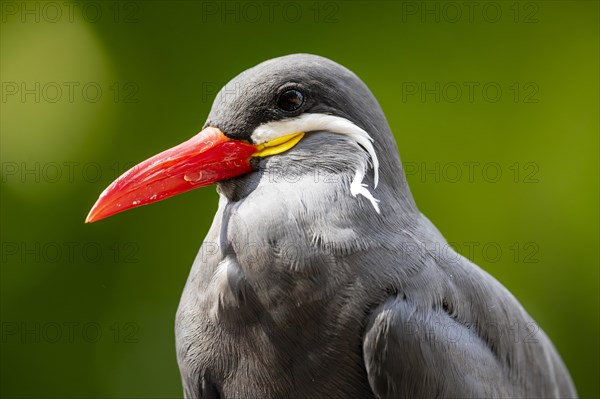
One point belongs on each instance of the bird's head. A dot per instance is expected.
(300, 103)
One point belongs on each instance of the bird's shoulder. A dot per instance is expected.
(413, 352)
(449, 329)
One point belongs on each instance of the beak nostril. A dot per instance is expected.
(192, 177)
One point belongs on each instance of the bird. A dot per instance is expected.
(319, 276)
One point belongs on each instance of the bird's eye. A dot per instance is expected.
(290, 100)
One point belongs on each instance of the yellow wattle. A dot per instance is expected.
(278, 145)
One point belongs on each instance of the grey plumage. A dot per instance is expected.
(302, 290)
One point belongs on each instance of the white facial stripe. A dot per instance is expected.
(334, 124)
(357, 187)
(313, 122)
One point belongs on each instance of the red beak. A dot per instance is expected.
(206, 158)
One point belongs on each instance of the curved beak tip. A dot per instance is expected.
(98, 211)
(91, 217)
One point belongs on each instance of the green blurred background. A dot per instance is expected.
(470, 91)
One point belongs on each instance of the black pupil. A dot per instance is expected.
(290, 100)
